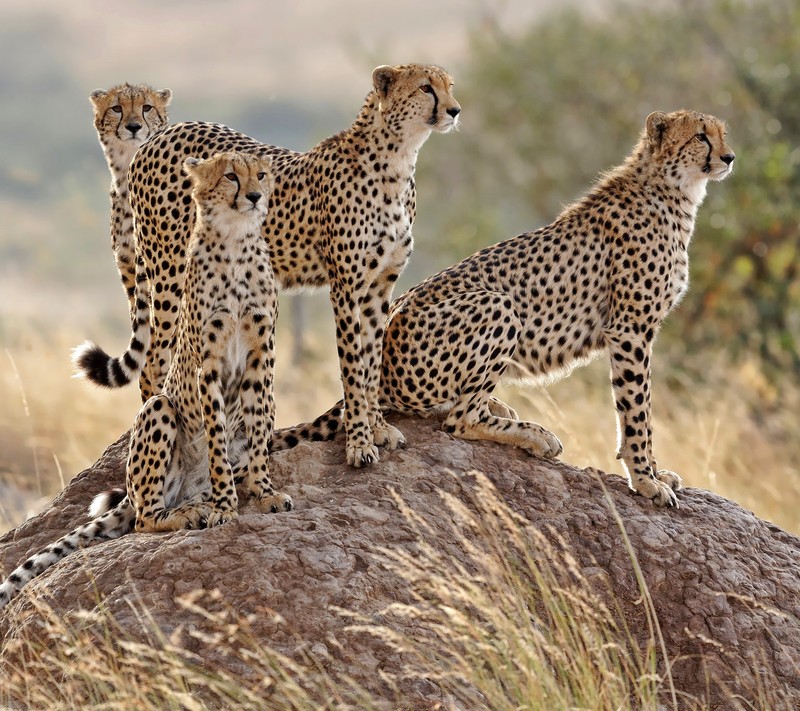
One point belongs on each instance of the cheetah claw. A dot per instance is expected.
(220, 516)
(660, 493)
(362, 456)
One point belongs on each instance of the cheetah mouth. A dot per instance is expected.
(135, 138)
(447, 124)
(249, 209)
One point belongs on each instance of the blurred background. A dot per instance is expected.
(553, 92)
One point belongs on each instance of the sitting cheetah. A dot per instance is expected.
(213, 419)
(342, 216)
(126, 116)
(603, 276)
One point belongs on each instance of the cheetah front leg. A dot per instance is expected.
(152, 457)
(360, 446)
(216, 334)
(126, 265)
(630, 375)
(374, 310)
(258, 411)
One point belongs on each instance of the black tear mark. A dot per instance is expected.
(433, 120)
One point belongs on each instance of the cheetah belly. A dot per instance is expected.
(550, 352)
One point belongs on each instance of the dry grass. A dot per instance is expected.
(85, 660)
(510, 622)
(729, 431)
(506, 622)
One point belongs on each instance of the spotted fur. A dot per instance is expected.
(342, 217)
(209, 428)
(602, 277)
(126, 116)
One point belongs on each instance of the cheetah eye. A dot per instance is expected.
(232, 177)
(146, 108)
(427, 88)
(116, 109)
(701, 137)
(262, 175)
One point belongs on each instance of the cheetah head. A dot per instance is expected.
(232, 189)
(416, 98)
(692, 147)
(128, 114)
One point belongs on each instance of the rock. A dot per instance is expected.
(724, 584)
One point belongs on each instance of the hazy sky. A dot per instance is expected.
(304, 48)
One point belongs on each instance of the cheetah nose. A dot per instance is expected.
(133, 127)
(253, 197)
(454, 111)
(727, 159)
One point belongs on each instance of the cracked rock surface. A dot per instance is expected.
(725, 584)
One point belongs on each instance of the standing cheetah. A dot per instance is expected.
(126, 116)
(342, 216)
(602, 277)
(210, 426)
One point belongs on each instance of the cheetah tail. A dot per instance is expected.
(323, 429)
(114, 523)
(94, 364)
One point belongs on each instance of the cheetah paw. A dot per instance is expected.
(670, 478)
(218, 516)
(543, 443)
(657, 491)
(362, 456)
(387, 436)
(275, 503)
(188, 516)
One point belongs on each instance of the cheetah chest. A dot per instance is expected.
(391, 241)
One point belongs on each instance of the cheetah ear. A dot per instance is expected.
(165, 95)
(194, 167)
(266, 163)
(97, 96)
(656, 123)
(382, 79)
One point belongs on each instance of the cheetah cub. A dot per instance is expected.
(602, 277)
(126, 116)
(342, 216)
(209, 428)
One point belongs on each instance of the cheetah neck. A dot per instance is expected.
(226, 232)
(379, 144)
(119, 155)
(644, 168)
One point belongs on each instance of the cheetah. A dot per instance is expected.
(602, 277)
(342, 217)
(209, 428)
(126, 116)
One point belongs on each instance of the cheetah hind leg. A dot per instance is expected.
(152, 462)
(478, 363)
(475, 425)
